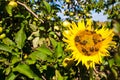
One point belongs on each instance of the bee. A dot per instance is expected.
(92, 49)
(96, 49)
(84, 42)
(88, 62)
(85, 51)
(77, 39)
(93, 32)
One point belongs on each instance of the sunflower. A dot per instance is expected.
(88, 45)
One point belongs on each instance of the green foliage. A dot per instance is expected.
(9, 10)
(33, 48)
(47, 6)
(41, 53)
(59, 50)
(25, 69)
(4, 47)
(11, 76)
(20, 37)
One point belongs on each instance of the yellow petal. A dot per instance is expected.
(81, 25)
(89, 24)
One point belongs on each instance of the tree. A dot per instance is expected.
(31, 45)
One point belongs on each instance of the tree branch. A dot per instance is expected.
(24, 5)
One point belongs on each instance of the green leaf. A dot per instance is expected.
(54, 42)
(30, 61)
(33, 27)
(19, 16)
(8, 42)
(58, 75)
(41, 53)
(20, 37)
(114, 72)
(47, 6)
(25, 70)
(59, 50)
(11, 76)
(36, 78)
(9, 9)
(7, 70)
(38, 55)
(14, 59)
(4, 47)
(43, 49)
(111, 62)
(117, 59)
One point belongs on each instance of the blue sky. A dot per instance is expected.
(95, 16)
(99, 17)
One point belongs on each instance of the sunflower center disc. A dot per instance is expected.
(88, 42)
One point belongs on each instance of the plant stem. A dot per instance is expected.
(91, 74)
(28, 9)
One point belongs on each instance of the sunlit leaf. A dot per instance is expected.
(33, 27)
(7, 70)
(11, 76)
(43, 49)
(38, 55)
(59, 50)
(8, 42)
(54, 42)
(4, 47)
(26, 70)
(31, 61)
(114, 72)
(111, 62)
(47, 5)
(14, 59)
(58, 75)
(9, 10)
(20, 37)
(117, 59)
(19, 16)
(41, 53)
